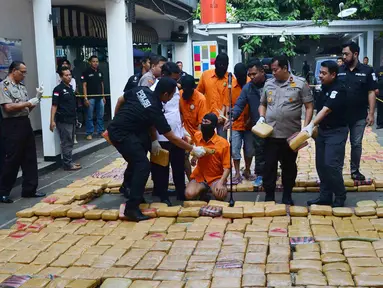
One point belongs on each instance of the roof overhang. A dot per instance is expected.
(303, 27)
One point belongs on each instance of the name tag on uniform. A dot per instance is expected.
(90, 75)
(293, 84)
(57, 94)
(373, 76)
(342, 74)
(143, 99)
(360, 74)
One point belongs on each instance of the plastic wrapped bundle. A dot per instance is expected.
(161, 159)
(262, 130)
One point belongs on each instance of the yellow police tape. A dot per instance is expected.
(81, 96)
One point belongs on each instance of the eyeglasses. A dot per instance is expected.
(23, 72)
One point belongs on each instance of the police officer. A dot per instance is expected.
(156, 63)
(137, 111)
(360, 82)
(93, 84)
(133, 80)
(379, 119)
(281, 107)
(330, 143)
(63, 116)
(19, 139)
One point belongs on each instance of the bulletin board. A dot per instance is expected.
(204, 55)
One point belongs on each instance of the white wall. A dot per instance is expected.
(16, 22)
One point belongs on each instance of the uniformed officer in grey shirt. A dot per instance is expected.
(281, 107)
(19, 140)
(150, 77)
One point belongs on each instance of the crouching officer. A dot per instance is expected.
(332, 136)
(17, 133)
(137, 112)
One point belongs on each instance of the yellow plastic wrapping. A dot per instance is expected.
(339, 278)
(342, 211)
(262, 130)
(298, 140)
(161, 159)
(365, 211)
(323, 210)
(279, 280)
(298, 211)
(95, 214)
(275, 210)
(116, 282)
(341, 266)
(110, 215)
(232, 212)
(296, 265)
(367, 280)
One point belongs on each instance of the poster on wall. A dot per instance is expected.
(204, 55)
(10, 50)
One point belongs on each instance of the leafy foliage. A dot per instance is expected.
(320, 11)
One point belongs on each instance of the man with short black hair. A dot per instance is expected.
(133, 80)
(365, 60)
(281, 107)
(360, 82)
(63, 116)
(94, 101)
(379, 119)
(339, 61)
(149, 78)
(137, 112)
(330, 143)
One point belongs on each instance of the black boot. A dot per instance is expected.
(134, 214)
(269, 197)
(338, 202)
(167, 202)
(358, 176)
(319, 201)
(287, 199)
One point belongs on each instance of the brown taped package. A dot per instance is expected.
(151, 260)
(77, 212)
(323, 210)
(341, 266)
(188, 204)
(110, 215)
(95, 214)
(227, 273)
(339, 278)
(116, 282)
(60, 211)
(306, 255)
(330, 247)
(364, 262)
(312, 247)
(168, 276)
(365, 211)
(310, 277)
(65, 261)
(79, 283)
(262, 130)
(198, 284)
(161, 159)
(168, 211)
(298, 211)
(253, 211)
(332, 258)
(354, 253)
(342, 211)
(372, 271)
(26, 213)
(232, 212)
(275, 210)
(59, 283)
(86, 260)
(115, 272)
(253, 280)
(356, 244)
(366, 203)
(296, 265)
(298, 140)
(35, 283)
(366, 280)
(140, 274)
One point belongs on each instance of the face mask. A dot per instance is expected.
(207, 131)
(220, 71)
(187, 94)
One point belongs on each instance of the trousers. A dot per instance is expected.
(160, 174)
(95, 105)
(379, 119)
(330, 148)
(134, 149)
(66, 132)
(356, 139)
(279, 150)
(20, 151)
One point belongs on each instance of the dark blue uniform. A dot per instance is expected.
(358, 83)
(331, 143)
(133, 82)
(379, 120)
(129, 133)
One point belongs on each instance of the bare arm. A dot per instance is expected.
(178, 141)
(153, 133)
(262, 110)
(85, 90)
(321, 115)
(225, 175)
(15, 107)
(119, 104)
(53, 114)
(371, 103)
(102, 88)
(309, 112)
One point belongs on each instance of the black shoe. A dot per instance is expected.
(135, 215)
(36, 195)
(338, 204)
(358, 176)
(167, 202)
(319, 201)
(6, 199)
(287, 200)
(379, 127)
(143, 201)
(269, 198)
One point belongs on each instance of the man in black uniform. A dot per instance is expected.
(93, 84)
(17, 133)
(137, 112)
(133, 80)
(63, 116)
(331, 141)
(360, 82)
(379, 120)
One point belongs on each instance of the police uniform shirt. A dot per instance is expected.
(93, 79)
(13, 93)
(141, 110)
(379, 73)
(334, 98)
(133, 82)
(284, 104)
(358, 83)
(65, 100)
(147, 79)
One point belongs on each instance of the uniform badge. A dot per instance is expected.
(224, 84)
(290, 99)
(293, 84)
(269, 99)
(270, 92)
(333, 94)
(192, 107)
(291, 79)
(151, 81)
(64, 90)
(99, 74)
(5, 89)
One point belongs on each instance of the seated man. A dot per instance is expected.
(213, 170)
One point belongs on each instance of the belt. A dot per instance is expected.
(16, 118)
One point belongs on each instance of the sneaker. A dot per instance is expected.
(89, 137)
(75, 140)
(258, 182)
(358, 176)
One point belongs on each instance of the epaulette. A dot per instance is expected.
(6, 82)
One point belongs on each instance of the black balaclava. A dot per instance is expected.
(221, 65)
(208, 129)
(188, 86)
(240, 73)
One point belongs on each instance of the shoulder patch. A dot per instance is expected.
(6, 82)
(373, 76)
(333, 94)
